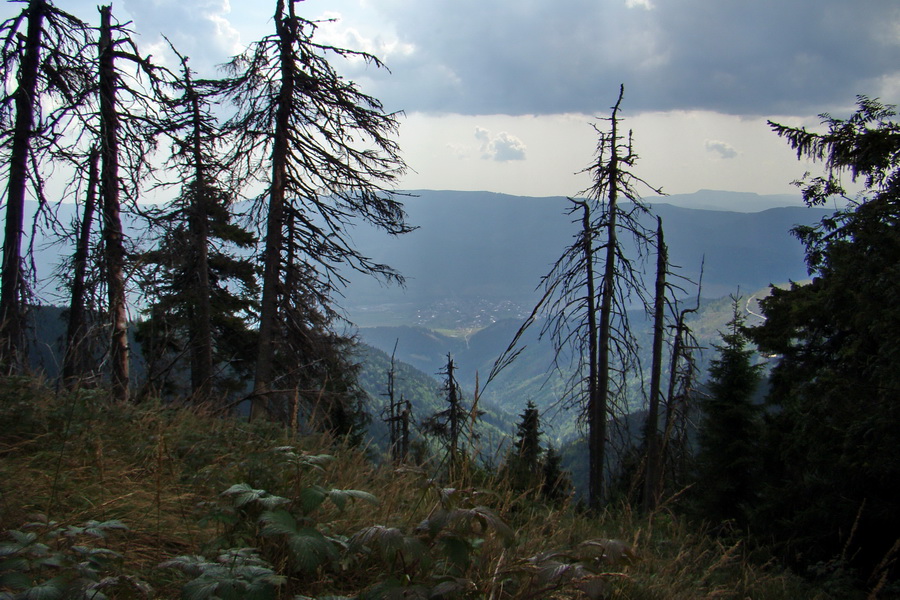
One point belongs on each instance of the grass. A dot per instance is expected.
(75, 458)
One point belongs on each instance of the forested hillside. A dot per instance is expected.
(605, 398)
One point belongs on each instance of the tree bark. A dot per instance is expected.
(74, 362)
(201, 325)
(112, 223)
(597, 413)
(651, 428)
(11, 330)
(268, 318)
(593, 395)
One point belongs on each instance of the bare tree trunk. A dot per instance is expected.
(112, 224)
(453, 400)
(394, 417)
(405, 417)
(75, 360)
(598, 412)
(651, 428)
(268, 316)
(593, 391)
(201, 324)
(681, 348)
(11, 283)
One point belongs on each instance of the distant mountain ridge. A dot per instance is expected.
(495, 248)
(741, 202)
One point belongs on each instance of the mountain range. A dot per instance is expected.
(479, 256)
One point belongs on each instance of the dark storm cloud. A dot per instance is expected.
(756, 57)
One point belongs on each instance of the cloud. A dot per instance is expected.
(332, 30)
(532, 57)
(785, 57)
(200, 29)
(723, 149)
(502, 147)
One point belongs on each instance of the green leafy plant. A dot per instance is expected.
(47, 561)
(236, 574)
(285, 530)
(440, 556)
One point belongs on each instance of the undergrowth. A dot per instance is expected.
(99, 500)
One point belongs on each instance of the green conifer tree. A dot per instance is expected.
(523, 465)
(168, 332)
(730, 431)
(831, 461)
(556, 483)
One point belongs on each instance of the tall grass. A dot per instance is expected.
(71, 458)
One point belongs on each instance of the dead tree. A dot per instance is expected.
(76, 353)
(396, 416)
(449, 425)
(652, 462)
(127, 110)
(586, 294)
(113, 241)
(48, 67)
(683, 374)
(325, 152)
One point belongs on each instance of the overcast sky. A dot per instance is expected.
(499, 94)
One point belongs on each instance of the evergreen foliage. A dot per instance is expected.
(170, 284)
(831, 496)
(529, 467)
(523, 464)
(556, 483)
(729, 434)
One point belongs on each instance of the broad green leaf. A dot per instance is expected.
(278, 522)
(309, 549)
(449, 587)
(378, 536)
(312, 498)
(340, 497)
(243, 494)
(270, 501)
(201, 588)
(52, 589)
(15, 580)
(457, 550)
(23, 538)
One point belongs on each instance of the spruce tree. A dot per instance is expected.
(832, 468)
(523, 464)
(729, 433)
(556, 483)
(168, 333)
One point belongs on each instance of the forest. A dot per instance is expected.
(218, 445)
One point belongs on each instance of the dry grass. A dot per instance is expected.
(76, 457)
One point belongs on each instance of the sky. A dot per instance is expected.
(500, 95)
